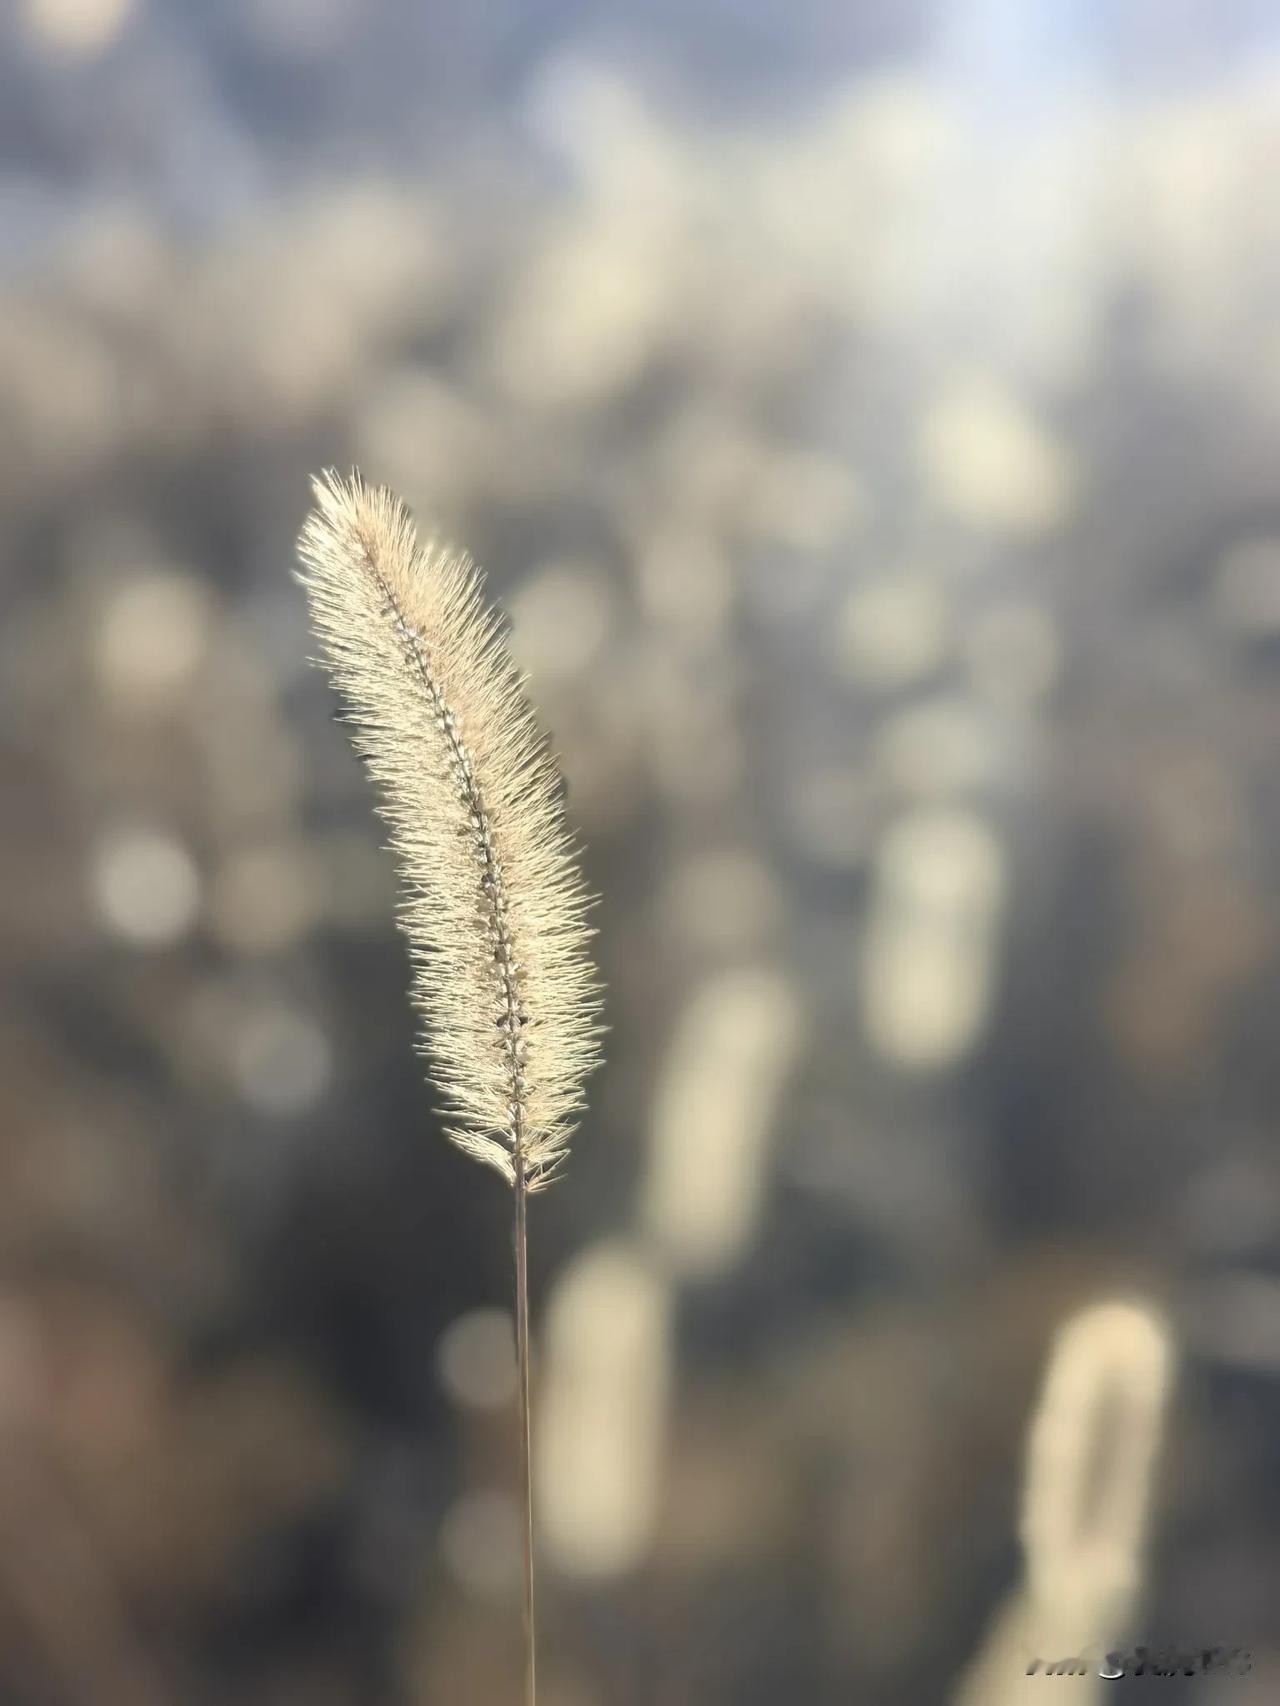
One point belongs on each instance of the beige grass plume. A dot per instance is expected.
(1092, 1450)
(494, 906)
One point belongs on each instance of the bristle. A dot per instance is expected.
(493, 906)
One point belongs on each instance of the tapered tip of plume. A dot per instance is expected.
(493, 904)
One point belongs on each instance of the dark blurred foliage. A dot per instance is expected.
(868, 416)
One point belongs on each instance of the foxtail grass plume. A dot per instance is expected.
(1091, 1455)
(1092, 1448)
(494, 907)
(605, 1399)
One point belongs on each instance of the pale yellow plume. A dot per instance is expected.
(1091, 1454)
(1092, 1450)
(494, 907)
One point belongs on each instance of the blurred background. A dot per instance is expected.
(868, 415)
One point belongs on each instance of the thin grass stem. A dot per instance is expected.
(526, 1474)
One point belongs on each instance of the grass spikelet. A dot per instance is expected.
(1091, 1454)
(494, 907)
(1092, 1449)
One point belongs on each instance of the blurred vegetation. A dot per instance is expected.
(868, 417)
